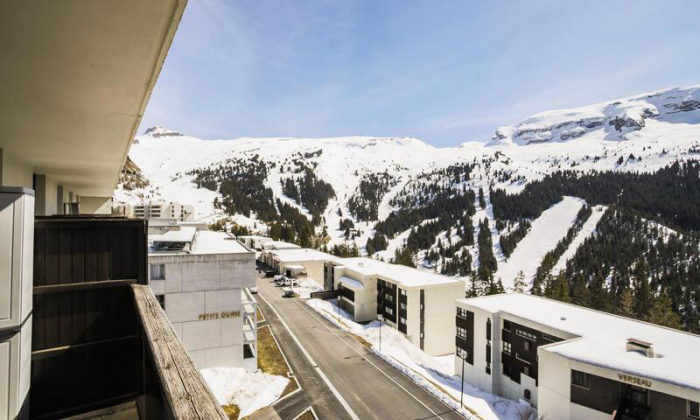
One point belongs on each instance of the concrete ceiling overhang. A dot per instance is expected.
(75, 78)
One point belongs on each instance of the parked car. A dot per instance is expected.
(280, 277)
(288, 293)
(253, 290)
(281, 281)
(289, 282)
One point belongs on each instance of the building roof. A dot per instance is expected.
(185, 234)
(305, 254)
(279, 245)
(350, 282)
(201, 242)
(400, 274)
(603, 337)
(254, 237)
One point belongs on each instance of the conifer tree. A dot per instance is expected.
(519, 284)
(627, 304)
(643, 298)
(662, 312)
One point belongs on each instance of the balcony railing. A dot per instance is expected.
(100, 338)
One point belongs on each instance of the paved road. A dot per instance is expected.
(371, 388)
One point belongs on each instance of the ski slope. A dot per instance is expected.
(546, 231)
(587, 230)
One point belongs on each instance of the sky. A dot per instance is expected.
(446, 72)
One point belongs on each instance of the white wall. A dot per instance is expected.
(199, 285)
(440, 318)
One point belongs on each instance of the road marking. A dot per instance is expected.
(375, 366)
(313, 363)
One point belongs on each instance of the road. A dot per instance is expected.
(370, 387)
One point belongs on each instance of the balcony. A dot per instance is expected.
(100, 338)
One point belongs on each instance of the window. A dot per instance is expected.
(462, 332)
(506, 347)
(550, 337)
(520, 357)
(161, 300)
(581, 379)
(462, 313)
(403, 306)
(389, 297)
(403, 320)
(403, 292)
(488, 329)
(390, 311)
(157, 271)
(488, 368)
(506, 325)
(693, 410)
(527, 345)
(526, 334)
(461, 353)
(506, 369)
(526, 371)
(527, 394)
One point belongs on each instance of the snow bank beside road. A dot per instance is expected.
(435, 374)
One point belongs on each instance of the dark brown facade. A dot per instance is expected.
(606, 395)
(466, 321)
(387, 298)
(403, 310)
(522, 358)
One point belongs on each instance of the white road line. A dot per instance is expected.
(313, 363)
(370, 362)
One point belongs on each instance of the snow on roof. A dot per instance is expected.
(400, 274)
(604, 337)
(294, 267)
(185, 234)
(254, 237)
(350, 282)
(305, 254)
(208, 242)
(279, 245)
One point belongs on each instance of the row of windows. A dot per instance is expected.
(550, 337)
(526, 334)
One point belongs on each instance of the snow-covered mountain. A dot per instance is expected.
(643, 115)
(636, 134)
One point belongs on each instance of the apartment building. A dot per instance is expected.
(417, 303)
(576, 363)
(254, 241)
(162, 210)
(296, 262)
(201, 279)
(265, 255)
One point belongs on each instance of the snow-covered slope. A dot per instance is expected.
(613, 120)
(641, 134)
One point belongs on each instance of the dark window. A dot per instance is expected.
(403, 292)
(506, 369)
(488, 368)
(161, 300)
(527, 345)
(506, 347)
(506, 325)
(488, 329)
(527, 394)
(550, 337)
(580, 379)
(157, 271)
(526, 334)
(693, 410)
(526, 370)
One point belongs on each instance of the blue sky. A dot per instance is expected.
(446, 72)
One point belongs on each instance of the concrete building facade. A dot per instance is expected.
(575, 363)
(417, 303)
(202, 281)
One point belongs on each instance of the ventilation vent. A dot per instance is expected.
(641, 347)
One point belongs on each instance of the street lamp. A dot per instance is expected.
(462, 354)
(380, 317)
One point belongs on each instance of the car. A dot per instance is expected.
(280, 277)
(288, 293)
(269, 273)
(253, 289)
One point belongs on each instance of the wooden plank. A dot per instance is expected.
(78, 255)
(51, 257)
(103, 255)
(185, 392)
(91, 255)
(60, 288)
(39, 262)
